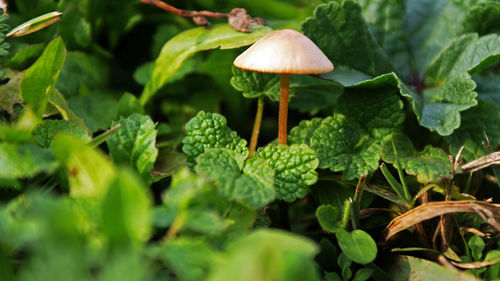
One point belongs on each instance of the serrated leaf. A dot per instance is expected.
(482, 18)
(288, 257)
(256, 84)
(46, 131)
(342, 145)
(187, 43)
(294, 167)
(39, 80)
(89, 171)
(357, 245)
(135, 144)
(327, 216)
(254, 188)
(465, 53)
(24, 161)
(428, 165)
(387, 22)
(304, 131)
(210, 130)
(126, 210)
(354, 46)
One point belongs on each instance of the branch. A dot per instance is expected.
(237, 18)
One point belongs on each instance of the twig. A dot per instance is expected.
(237, 18)
(483, 162)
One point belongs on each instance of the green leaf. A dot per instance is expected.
(363, 274)
(126, 210)
(89, 171)
(256, 84)
(58, 102)
(341, 32)
(128, 105)
(254, 188)
(310, 94)
(294, 167)
(304, 131)
(430, 26)
(482, 18)
(97, 110)
(25, 57)
(135, 144)
(465, 53)
(476, 244)
(327, 216)
(40, 78)
(82, 73)
(187, 43)
(189, 258)
(24, 161)
(357, 245)
(74, 28)
(428, 165)
(438, 109)
(410, 268)
(46, 131)
(342, 145)
(267, 255)
(387, 22)
(210, 130)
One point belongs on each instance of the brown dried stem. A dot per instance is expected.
(283, 114)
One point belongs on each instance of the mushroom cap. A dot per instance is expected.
(284, 51)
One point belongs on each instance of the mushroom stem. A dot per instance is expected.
(283, 114)
(256, 127)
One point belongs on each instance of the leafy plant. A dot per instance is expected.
(127, 150)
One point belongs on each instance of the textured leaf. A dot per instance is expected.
(465, 53)
(327, 216)
(24, 161)
(135, 144)
(187, 43)
(294, 167)
(429, 165)
(353, 46)
(304, 131)
(40, 78)
(431, 25)
(9, 93)
(387, 22)
(287, 257)
(210, 130)
(126, 210)
(89, 171)
(342, 145)
(439, 108)
(254, 188)
(357, 245)
(46, 131)
(483, 18)
(256, 84)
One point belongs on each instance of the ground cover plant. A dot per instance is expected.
(131, 148)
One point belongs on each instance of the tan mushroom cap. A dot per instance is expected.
(284, 51)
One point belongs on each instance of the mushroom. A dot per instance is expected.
(285, 52)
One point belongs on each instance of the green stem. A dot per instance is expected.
(256, 127)
(401, 175)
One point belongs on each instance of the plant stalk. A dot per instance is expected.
(283, 114)
(256, 127)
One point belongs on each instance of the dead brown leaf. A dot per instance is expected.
(488, 212)
(477, 264)
(483, 162)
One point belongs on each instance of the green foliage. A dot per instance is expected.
(24, 160)
(357, 245)
(327, 217)
(256, 84)
(210, 130)
(40, 78)
(134, 144)
(254, 187)
(294, 167)
(179, 48)
(3, 45)
(47, 130)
